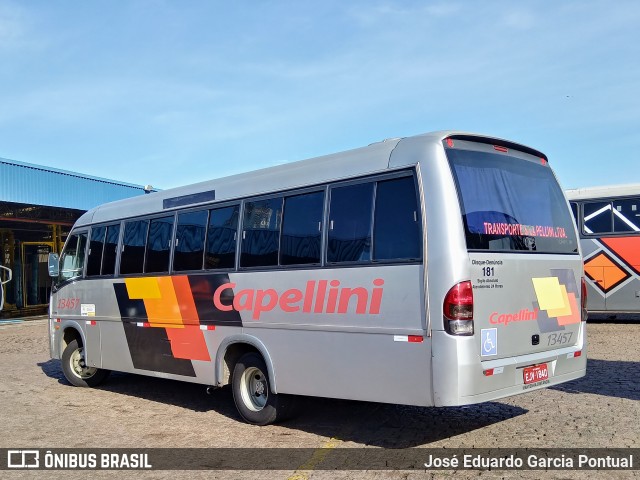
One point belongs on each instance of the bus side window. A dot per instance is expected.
(574, 210)
(597, 217)
(110, 250)
(626, 215)
(159, 245)
(133, 242)
(96, 246)
(190, 236)
(302, 229)
(221, 237)
(72, 258)
(396, 226)
(350, 223)
(261, 232)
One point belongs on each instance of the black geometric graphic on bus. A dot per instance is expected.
(130, 310)
(546, 324)
(567, 278)
(203, 288)
(149, 347)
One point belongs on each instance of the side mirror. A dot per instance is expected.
(54, 265)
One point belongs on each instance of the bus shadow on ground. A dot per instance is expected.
(396, 426)
(187, 395)
(607, 377)
(364, 423)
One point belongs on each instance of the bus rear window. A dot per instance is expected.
(509, 203)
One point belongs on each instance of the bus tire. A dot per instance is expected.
(75, 370)
(252, 392)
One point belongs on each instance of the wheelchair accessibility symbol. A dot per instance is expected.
(489, 341)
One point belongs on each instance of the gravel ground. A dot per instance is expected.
(41, 410)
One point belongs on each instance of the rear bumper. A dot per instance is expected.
(467, 384)
(518, 389)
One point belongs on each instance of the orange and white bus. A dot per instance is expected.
(608, 220)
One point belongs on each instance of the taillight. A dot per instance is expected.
(458, 309)
(583, 300)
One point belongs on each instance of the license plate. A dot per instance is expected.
(535, 374)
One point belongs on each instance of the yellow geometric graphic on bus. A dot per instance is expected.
(549, 293)
(164, 311)
(160, 302)
(566, 309)
(142, 288)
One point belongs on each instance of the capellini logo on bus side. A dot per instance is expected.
(322, 296)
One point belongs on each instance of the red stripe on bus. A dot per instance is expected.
(186, 303)
(188, 344)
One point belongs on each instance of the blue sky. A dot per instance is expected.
(173, 92)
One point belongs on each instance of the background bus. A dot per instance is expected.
(440, 269)
(608, 220)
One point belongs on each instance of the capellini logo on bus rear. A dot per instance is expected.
(322, 296)
(506, 318)
(556, 305)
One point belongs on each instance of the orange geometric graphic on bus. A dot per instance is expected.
(187, 305)
(627, 248)
(169, 304)
(605, 272)
(574, 316)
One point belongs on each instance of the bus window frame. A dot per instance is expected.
(581, 202)
(172, 241)
(147, 218)
(216, 206)
(375, 179)
(324, 188)
(175, 238)
(106, 226)
(284, 195)
(57, 284)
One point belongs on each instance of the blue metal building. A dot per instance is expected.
(38, 206)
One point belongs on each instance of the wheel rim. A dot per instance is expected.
(254, 389)
(78, 367)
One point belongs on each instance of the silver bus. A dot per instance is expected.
(436, 270)
(608, 220)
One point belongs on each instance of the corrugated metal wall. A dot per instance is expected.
(38, 185)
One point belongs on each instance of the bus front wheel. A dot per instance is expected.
(252, 394)
(75, 369)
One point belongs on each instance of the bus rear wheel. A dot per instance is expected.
(75, 369)
(252, 392)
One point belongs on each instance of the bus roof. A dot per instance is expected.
(607, 191)
(361, 161)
